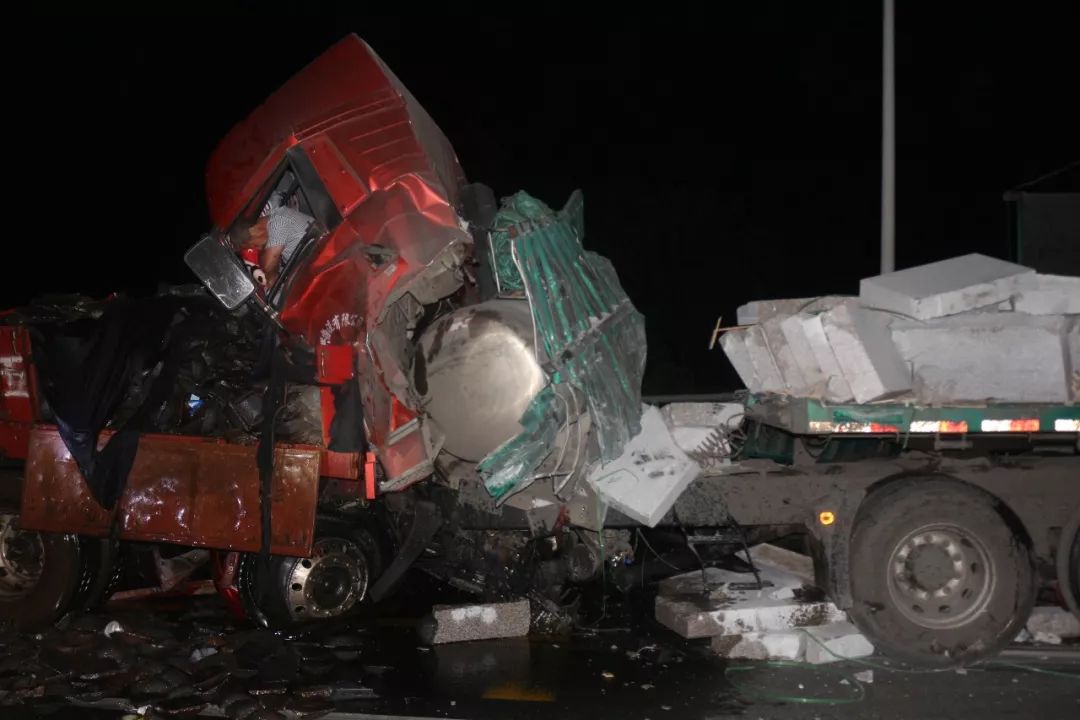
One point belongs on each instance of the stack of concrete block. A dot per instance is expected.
(770, 622)
(970, 328)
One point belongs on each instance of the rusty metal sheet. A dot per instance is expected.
(185, 490)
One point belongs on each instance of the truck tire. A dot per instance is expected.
(332, 583)
(1068, 564)
(938, 577)
(40, 573)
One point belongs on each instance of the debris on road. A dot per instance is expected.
(460, 623)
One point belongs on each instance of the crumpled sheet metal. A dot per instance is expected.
(585, 324)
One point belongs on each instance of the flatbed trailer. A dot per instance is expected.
(934, 528)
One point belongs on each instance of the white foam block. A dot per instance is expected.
(980, 356)
(866, 354)
(947, 287)
(836, 641)
(650, 474)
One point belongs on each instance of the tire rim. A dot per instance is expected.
(328, 584)
(940, 576)
(22, 558)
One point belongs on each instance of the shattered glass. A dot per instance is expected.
(586, 326)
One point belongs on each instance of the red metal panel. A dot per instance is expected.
(18, 391)
(185, 490)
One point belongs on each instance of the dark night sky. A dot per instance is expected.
(723, 159)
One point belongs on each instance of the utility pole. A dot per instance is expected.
(888, 144)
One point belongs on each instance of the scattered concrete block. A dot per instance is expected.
(865, 352)
(784, 356)
(731, 587)
(738, 354)
(459, 623)
(947, 287)
(789, 645)
(697, 616)
(691, 424)
(771, 557)
(837, 388)
(835, 641)
(1053, 621)
(986, 356)
(758, 311)
(1048, 295)
(650, 474)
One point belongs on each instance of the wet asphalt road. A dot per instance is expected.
(180, 657)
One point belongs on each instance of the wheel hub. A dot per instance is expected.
(329, 583)
(940, 576)
(22, 558)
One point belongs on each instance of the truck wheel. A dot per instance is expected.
(40, 573)
(1068, 564)
(332, 583)
(938, 578)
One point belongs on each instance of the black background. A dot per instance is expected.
(725, 156)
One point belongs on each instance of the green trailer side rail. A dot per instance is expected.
(808, 416)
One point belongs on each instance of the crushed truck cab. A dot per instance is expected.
(426, 359)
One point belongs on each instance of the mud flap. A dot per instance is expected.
(427, 519)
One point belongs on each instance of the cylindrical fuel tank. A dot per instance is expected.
(476, 372)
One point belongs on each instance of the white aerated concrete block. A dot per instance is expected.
(459, 623)
(691, 424)
(772, 557)
(1053, 621)
(837, 388)
(982, 356)
(947, 287)
(761, 646)
(1072, 350)
(1049, 295)
(784, 356)
(795, 335)
(765, 368)
(650, 474)
(758, 311)
(738, 354)
(731, 587)
(695, 617)
(836, 641)
(866, 354)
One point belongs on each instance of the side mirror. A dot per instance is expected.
(221, 272)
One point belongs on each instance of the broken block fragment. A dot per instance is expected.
(649, 476)
(834, 642)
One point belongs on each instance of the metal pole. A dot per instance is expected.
(888, 145)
